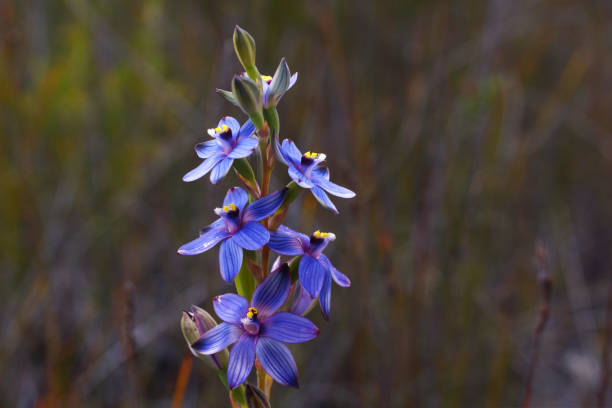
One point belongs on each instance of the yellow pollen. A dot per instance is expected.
(266, 78)
(252, 312)
(233, 206)
(226, 208)
(324, 235)
(224, 127)
(218, 130)
(311, 155)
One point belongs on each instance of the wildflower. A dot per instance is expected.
(306, 171)
(275, 87)
(230, 141)
(237, 228)
(315, 269)
(258, 330)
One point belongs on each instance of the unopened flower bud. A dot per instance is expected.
(248, 95)
(244, 44)
(255, 397)
(193, 325)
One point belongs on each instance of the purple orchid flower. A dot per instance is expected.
(230, 142)
(315, 269)
(237, 228)
(306, 171)
(259, 331)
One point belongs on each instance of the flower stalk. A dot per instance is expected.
(249, 225)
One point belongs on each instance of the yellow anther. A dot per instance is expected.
(224, 127)
(266, 78)
(226, 208)
(252, 312)
(317, 234)
(324, 235)
(313, 155)
(218, 130)
(233, 206)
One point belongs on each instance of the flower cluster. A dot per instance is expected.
(248, 226)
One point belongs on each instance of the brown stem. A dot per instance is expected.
(545, 289)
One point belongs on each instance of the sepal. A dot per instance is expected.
(279, 84)
(194, 324)
(248, 95)
(256, 398)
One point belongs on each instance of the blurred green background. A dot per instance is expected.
(475, 133)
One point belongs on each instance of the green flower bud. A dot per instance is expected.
(193, 325)
(248, 95)
(244, 44)
(256, 398)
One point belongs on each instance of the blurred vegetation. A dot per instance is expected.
(472, 131)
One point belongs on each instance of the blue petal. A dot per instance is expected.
(299, 178)
(252, 236)
(312, 273)
(323, 199)
(232, 123)
(264, 207)
(230, 307)
(221, 170)
(285, 243)
(293, 80)
(340, 278)
(277, 361)
(288, 328)
(217, 338)
(272, 292)
(241, 359)
(301, 299)
(207, 149)
(203, 168)
(230, 259)
(236, 196)
(290, 152)
(215, 225)
(204, 242)
(247, 129)
(243, 148)
(320, 172)
(325, 296)
(333, 188)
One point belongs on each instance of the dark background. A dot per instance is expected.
(477, 135)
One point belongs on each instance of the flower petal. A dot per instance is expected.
(243, 148)
(230, 307)
(290, 152)
(236, 196)
(333, 188)
(278, 362)
(207, 149)
(232, 123)
(301, 300)
(252, 236)
(203, 168)
(221, 169)
(320, 172)
(340, 278)
(241, 359)
(265, 206)
(288, 328)
(272, 292)
(299, 178)
(230, 259)
(323, 199)
(219, 223)
(246, 130)
(204, 242)
(293, 80)
(312, 273)
(217, 338)
(325, 296)
(285, 243)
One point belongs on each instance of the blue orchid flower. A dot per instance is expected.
(272, 96)
(259, 331)
(306, 171)
(315, 269)
(237, 228)
(230, 142)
